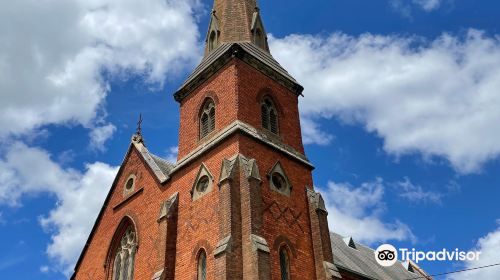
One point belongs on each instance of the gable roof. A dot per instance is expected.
(161, 168)
(361, 261)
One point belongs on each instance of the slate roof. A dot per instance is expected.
(164, 165)
(224, 52)
(160, 167)
(361, 261)
(207, 61)
(267, 58)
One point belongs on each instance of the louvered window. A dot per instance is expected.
(202, 266)
(265, 116)
(284, 265)
(207, 120)
(269, 116)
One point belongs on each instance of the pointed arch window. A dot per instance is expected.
(123, 267)
(269, 115)
(284, 264)
(212, 41)
(207, 119)
(202, 266)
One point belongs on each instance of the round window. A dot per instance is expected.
(279, 181)
(202, 185)
(130, 184)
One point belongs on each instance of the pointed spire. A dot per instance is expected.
(235, 21)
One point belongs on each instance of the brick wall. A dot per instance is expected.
(237, 90)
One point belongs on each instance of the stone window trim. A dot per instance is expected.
(127, 223)
(269, 115)
(207, 118)
(129, 186)
(278, 180)
(203, 183)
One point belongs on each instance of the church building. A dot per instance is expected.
(240, 202)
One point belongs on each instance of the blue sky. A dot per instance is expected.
(400, 116)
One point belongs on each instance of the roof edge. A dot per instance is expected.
(210, 65)
(246, 129)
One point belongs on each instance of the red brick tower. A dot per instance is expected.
(239, 202)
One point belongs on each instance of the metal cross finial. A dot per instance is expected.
(139, 125)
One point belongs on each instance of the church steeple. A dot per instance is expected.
(235, 21)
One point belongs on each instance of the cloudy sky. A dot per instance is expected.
(401, 116)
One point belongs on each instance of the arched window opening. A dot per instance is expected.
(123, 268)
(202, 266)
(284, 264)
(269, 116)
(207, 120)
(212, 41)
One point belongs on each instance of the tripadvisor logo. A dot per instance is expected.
(387, 255)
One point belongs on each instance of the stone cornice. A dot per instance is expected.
(240, 127)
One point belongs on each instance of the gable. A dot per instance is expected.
(138, 164)
(259, 35)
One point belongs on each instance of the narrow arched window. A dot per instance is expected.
(207, 119)
(202, 266)
(123, 268)
(284, 264)
(212, 41)
(269, 116)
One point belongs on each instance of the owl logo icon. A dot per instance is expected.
(386, 255)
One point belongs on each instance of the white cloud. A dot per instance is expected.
(415, 193)
(44, 269)
(27, 171)
(428, 5)
(437, 98)
(53, 54)
(358, 212)
(171, 155)
(312, 134)
(489, 246)
(405, 7)
(99, 136)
